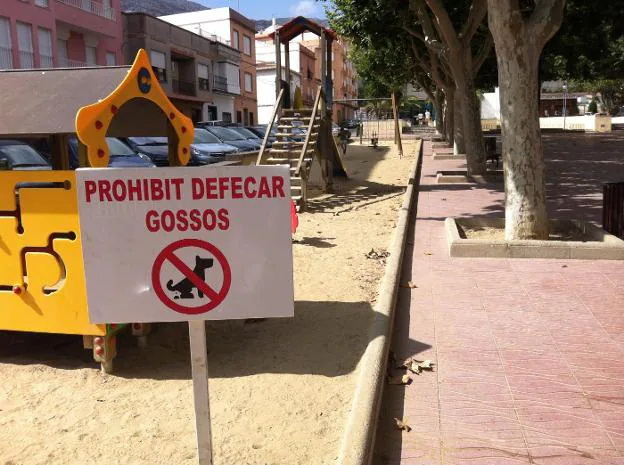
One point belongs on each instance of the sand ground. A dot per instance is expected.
(280, 389)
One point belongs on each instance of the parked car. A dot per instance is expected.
(252, 136)
(246, 133)
(335, 129)
(231, 137)
(121, 155)
(207, 148)
(17, 155)
(154, 147)
(260, 131)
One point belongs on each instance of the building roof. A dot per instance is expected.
(45, 101)
(295, 27)
(209, 15)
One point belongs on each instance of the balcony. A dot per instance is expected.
(27, 60)
(67, 63)
(46, 61)
(183, 87)
(220, 83)
(6, 58)
(91, 7)
(213, 37)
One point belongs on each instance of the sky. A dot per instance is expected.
(266, 9)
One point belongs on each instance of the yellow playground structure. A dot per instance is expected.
(42, 283)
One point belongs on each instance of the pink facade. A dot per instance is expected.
(64, 33)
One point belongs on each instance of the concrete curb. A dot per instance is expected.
(357, 443)
(599, 244)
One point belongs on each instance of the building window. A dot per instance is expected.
(25, 45)
(239, 117)
(111, 59)
(42, 3)
(61, 48)
(248, 82)
(159, 65)
(45, 48)
(227, 117)
(246, 45)
(202, 77)
(235, 39)
(90, 55)
(6, 50)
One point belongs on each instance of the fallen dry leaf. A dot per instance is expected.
(428, 253)
(399, 380)
(426, 365)
(414, 367)
(403, 425)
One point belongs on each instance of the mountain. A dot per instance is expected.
(262, 24)
(160, 7)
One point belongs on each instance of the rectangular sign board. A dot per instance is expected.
(186, 243)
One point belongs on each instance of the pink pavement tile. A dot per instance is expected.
(483, 450)
(570, 454)
(529, 353)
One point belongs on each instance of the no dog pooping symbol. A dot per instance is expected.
(191, 276)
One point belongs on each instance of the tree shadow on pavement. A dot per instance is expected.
(389, 439)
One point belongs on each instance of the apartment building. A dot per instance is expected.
(302, 75)
(306, 48)
(227, 26)
(343, 75)
(60, 33)
(199, 75)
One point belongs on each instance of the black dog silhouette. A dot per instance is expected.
(185, 287)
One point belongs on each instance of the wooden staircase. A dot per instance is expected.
(292, 146)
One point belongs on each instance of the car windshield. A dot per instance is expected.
(203, 136)
(246, 133)
(22, 155)
(262, 130)
(118, 148)
(149, 140)
(226, 134)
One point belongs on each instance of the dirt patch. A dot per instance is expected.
(498, 234)
(281, 389)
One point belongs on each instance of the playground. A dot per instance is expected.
(281, 389)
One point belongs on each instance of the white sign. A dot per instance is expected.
(186, 243)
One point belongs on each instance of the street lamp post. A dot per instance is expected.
(565, 101)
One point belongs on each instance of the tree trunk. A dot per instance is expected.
(449, 116)
(471, 119)
(523, 161)
(438, 104)
(459, 147)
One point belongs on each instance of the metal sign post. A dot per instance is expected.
(199, 367)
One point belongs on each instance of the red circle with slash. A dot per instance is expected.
(169, 255)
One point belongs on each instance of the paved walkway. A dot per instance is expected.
(529, 353)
